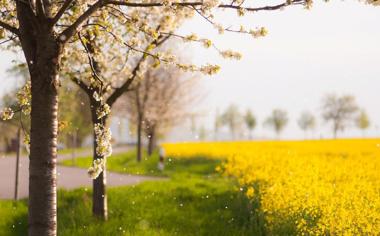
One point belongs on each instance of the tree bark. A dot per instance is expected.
(139, 137)
(152, 141)
(99, 195)
(44, 69)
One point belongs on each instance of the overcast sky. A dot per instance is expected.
(333, 48)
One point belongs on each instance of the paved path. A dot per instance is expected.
(68, 177)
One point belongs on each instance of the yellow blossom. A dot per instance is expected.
(327, 187)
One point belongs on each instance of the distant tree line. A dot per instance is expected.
(340, 112)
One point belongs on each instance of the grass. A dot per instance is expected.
(122, 163)
(194, 201)
(67, 151)
(127, 163)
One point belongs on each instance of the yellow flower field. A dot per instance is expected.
(329, 187)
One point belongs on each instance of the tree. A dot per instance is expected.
(306, 121)
(217, 124)
(339, 110)
(277, 120)
(362, 121)
(45, 30)
(157, 102)
(174, 93)
(104, 84)
(250, 122)
(202, 133)
(233, 119)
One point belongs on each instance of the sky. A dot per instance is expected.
(332, 48)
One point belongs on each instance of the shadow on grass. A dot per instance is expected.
(191, 165)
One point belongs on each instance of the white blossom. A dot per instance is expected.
(103, 111)
(231, 54)
(97, 97)
(210, 69)
(210, 4)
(6, 114)
(96, 169)
(103, 140)
(26, 142)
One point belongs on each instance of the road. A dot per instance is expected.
(67, 177)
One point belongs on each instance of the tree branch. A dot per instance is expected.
(72, 30)
(40, 9)
(8, 40)
(121, 90)
(9, 28)
(61, 11)
(93, 64)
(194, 4)
(124, 88)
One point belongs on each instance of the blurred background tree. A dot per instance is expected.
(232, 119)
(250, 122)
(339, 110)
(157, 102)
(277, 121)
(74, 116)
(362, 121)
(306, 121)
(218, 123)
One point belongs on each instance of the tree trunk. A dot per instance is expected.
(152, 141)
(73, 146)
(8, 146)
(42, 53)
(99, 195)
(44, 71)
(17, 162)
(139, 137)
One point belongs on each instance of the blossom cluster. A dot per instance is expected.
(210, 69)
(231, 54)
(6, 114)
(96, 169)
(103, 150)
(103, 111)
(261, 32)
(209, 5)
(26, 142)
(103, 140)
(24, 97)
